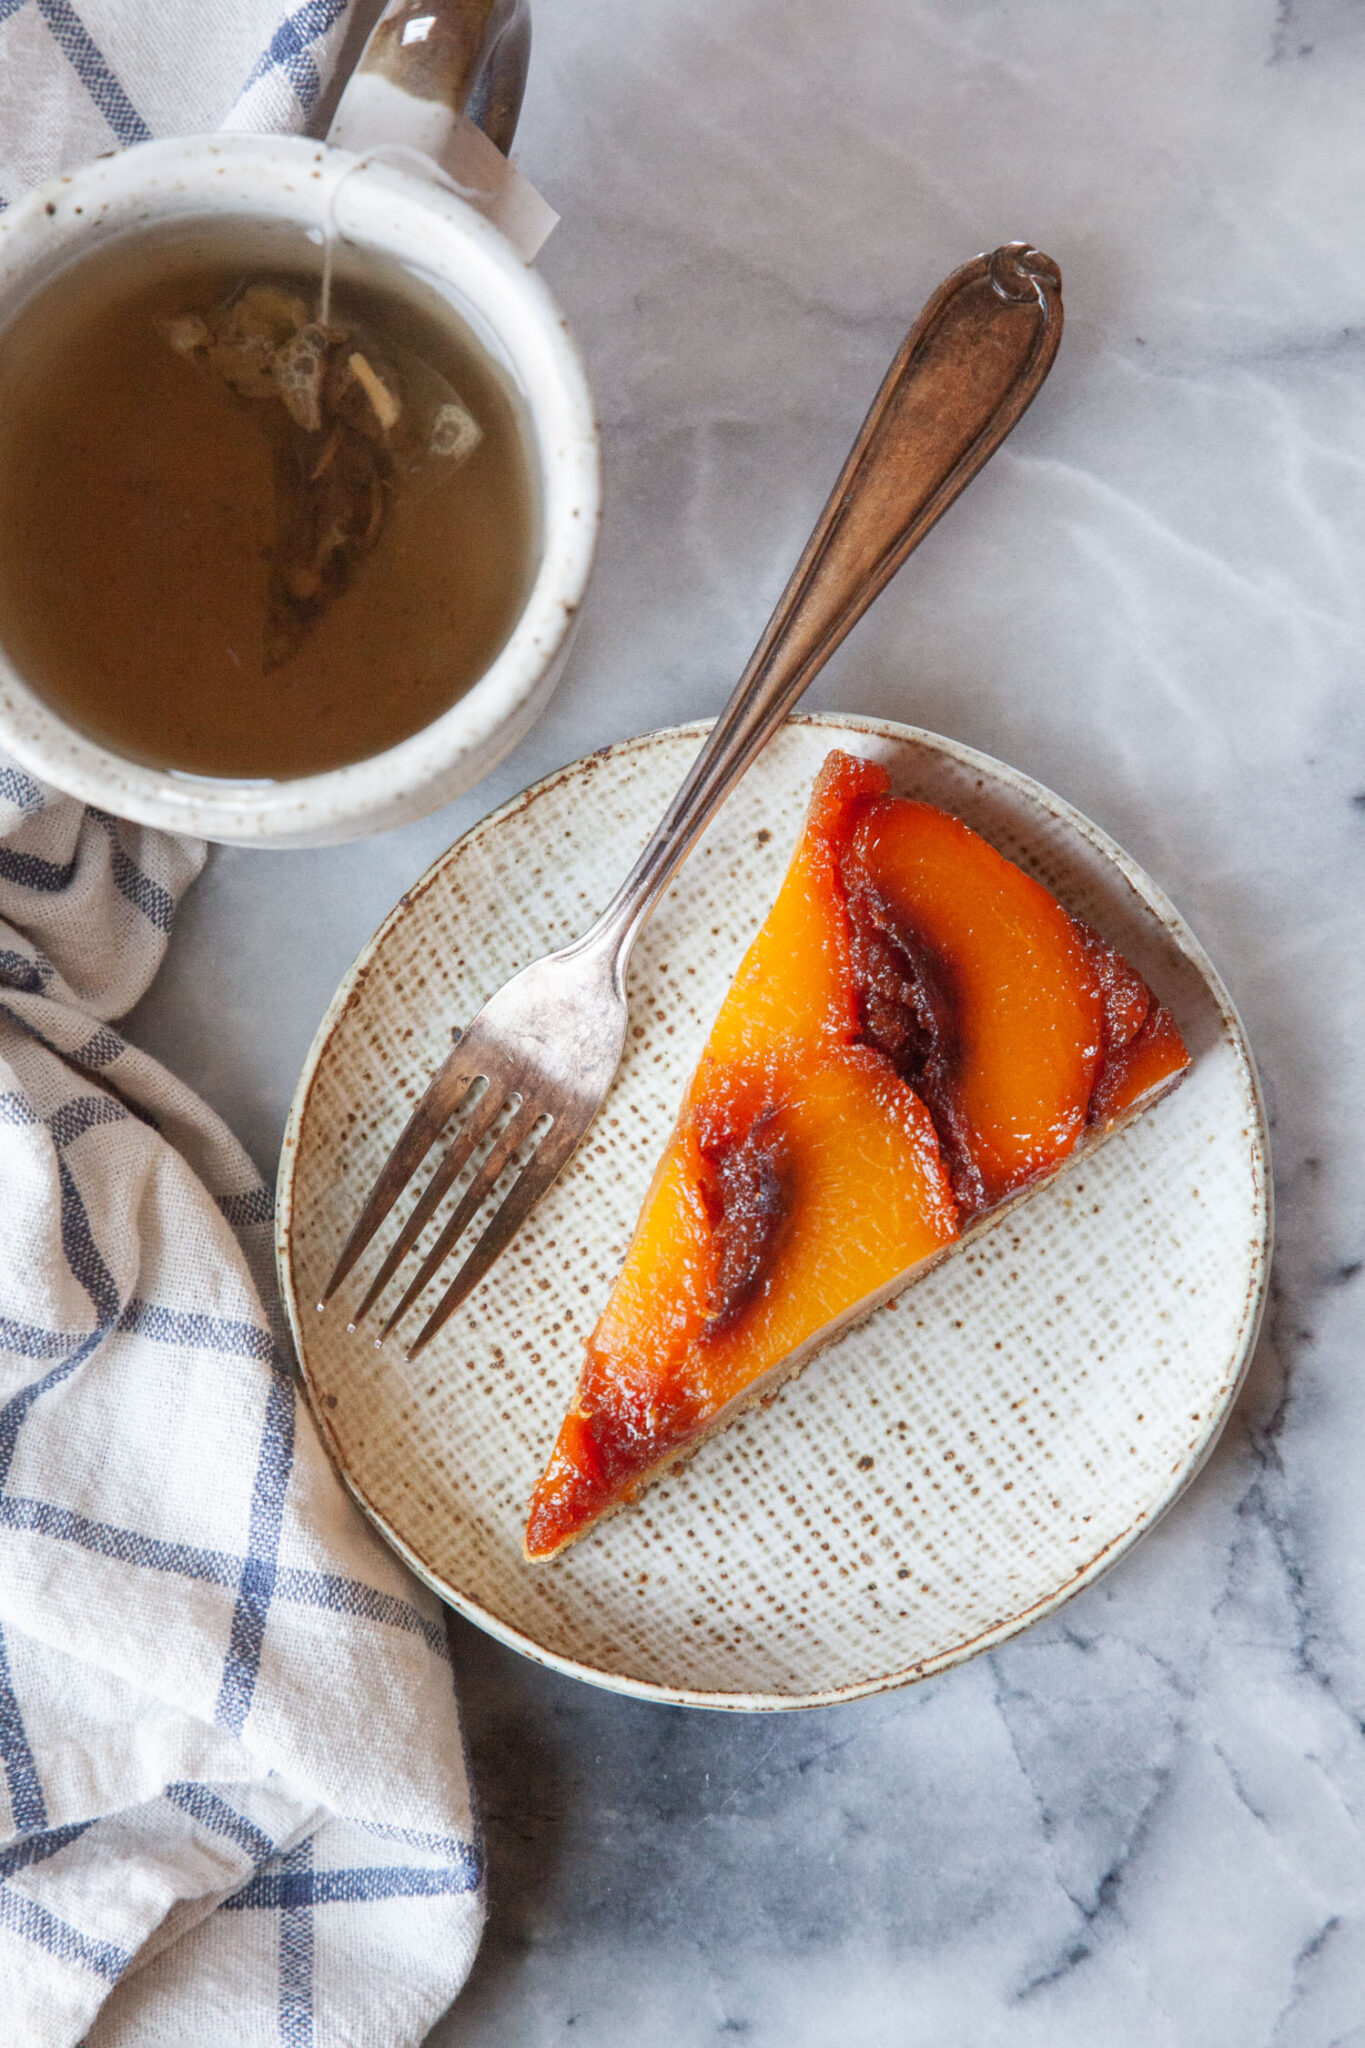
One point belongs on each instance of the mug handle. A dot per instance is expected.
(429, 59)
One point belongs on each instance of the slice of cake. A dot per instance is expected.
(918, 1034)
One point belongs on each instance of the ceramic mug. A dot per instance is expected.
(422, 67)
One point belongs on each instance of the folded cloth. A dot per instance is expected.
(237, 1802)
(235, 1805)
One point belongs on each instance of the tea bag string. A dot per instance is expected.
(404, 156)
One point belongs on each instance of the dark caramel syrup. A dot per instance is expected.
(141, 532)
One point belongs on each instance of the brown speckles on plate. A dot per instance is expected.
(986, 1451)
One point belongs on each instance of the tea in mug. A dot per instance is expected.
(244, 532)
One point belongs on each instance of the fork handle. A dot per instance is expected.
(967, 370)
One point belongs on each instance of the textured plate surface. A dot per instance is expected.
(943, 1475)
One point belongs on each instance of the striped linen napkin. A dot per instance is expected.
(75, 81)
(235, 1807)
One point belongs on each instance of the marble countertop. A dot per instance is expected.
(1140, 1822)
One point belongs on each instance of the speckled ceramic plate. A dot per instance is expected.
(945, 1474)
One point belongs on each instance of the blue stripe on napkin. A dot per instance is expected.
(289, 49)
(91, 67)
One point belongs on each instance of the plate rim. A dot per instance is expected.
(1155, 900)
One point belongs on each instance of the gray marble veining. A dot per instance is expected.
(1142, 1822)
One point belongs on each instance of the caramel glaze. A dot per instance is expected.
(910, 1011)
(746, 1186)
(604, 1449)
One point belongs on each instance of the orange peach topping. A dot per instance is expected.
(917, 1032)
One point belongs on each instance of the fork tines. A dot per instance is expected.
(447, 1090)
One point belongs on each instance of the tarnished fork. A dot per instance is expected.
(548, 1043)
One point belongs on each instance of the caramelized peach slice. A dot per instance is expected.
(1141, 1051)
(993, 1003)
(777, 1216)
(794, 988)
(1142, 1065)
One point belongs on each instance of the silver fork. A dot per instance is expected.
(548, 1043)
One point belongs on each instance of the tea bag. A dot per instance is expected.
(350, 420)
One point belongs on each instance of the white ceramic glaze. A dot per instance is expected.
(289, 183)
(949, 1471)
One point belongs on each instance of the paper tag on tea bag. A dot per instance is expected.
(510, 201)
(376, 117)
